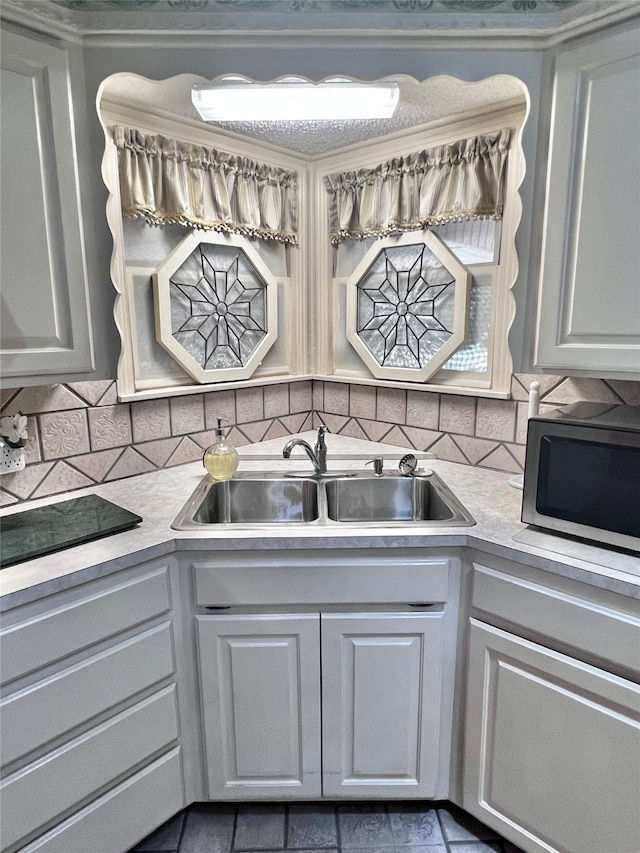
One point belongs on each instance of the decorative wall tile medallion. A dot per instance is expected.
(458, 414)
(110, 426)
(64, 434)
(423, 409)
(187, 414)
(496, 419)
(150, 419)
(392, 406)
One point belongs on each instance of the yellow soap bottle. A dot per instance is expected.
(221, 459)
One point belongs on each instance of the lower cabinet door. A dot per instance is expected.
(381, 704)
(552, 747)
(260, 684)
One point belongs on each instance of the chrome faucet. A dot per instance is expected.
(317, 455)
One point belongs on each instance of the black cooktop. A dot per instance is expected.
(35, 532)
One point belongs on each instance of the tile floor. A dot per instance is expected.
(322, 828)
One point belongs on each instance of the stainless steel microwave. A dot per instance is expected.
(582, 473)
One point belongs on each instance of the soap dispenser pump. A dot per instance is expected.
(221, 459)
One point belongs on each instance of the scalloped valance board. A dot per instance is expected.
(301, 277)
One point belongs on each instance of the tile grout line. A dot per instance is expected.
(235, 829)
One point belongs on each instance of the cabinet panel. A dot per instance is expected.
(122, 817)
(86, 764)
(260, 693)
(381, 704)
(77, 624)
(42, 712)
(594, 629)
(318, 579)
(552, 745)
(589, 310)
(45, 310)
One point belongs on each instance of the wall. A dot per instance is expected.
(79, 435)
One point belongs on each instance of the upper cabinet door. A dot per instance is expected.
(589, 303)
(46, 328)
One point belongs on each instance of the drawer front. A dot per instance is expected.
(60, 632)
(34, 797)
(122, 817)
(344, 580)
(46, 710)
(608, 634)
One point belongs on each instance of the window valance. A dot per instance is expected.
(459, 180)
(166, 180)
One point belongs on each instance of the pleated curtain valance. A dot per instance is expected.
(166, 180)
(459, 180)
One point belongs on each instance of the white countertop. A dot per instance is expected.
(158, 497)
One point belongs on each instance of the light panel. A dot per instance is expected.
(335, 101)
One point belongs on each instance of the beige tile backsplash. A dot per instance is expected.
(79, 434)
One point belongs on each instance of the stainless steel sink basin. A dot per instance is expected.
(391, 499)
(256, 500)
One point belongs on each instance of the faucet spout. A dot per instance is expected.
(317, 455)
(300, 442)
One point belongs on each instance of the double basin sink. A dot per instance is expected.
(253, 500)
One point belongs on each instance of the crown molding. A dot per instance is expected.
(54, 21)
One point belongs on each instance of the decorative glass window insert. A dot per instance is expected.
(407, 307)
(215, 303)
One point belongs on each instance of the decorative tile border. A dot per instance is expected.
(470, 430)
(79, 435)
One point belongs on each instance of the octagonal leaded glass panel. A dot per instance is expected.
(405, 306)
(218, 306)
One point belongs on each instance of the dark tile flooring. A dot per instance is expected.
(322, 828)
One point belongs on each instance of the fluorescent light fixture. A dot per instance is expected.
(295, 101)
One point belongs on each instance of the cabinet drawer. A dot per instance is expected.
(593, 628)
(122, 817)
(46, 710)
(86, 764)
(307, 580)
(50, 636)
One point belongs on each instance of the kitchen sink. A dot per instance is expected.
(257, 500)
(383, 499)
(267, 499)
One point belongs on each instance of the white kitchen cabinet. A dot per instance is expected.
(553, 747)
(46, 328)
(552, 733)
(90, 698)
(381, 683)
(377, 678)
(260, 678)
(589, 301)
(378, 674)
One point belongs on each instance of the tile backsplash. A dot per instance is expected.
(79, 435)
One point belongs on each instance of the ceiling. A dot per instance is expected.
(539, 19)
